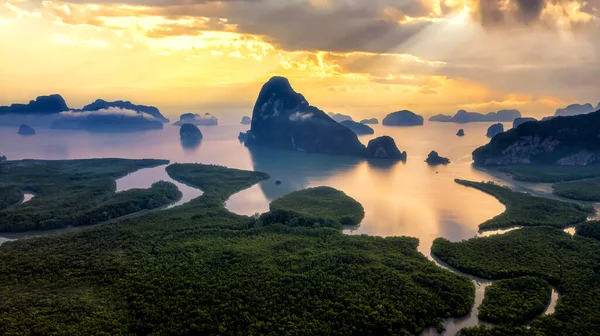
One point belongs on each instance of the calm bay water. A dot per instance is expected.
(409, 198)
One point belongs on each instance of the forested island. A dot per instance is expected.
(200, 269)
(542, 253)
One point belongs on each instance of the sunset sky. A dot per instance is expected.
(361, 57)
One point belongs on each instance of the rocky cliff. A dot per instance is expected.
(284, 119)
(384, 148)
(571, 140)
(494, 130)
(190, 133)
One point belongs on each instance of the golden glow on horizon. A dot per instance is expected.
(141, 53)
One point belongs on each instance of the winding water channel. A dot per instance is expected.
(144, 178)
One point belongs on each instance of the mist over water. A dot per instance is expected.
(411, 198)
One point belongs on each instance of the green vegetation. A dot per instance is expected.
(67, 191)
(589, 229)
(526, 210)
(571, 265)
(515, 301)
(160, 194)
(582, 190)
(214, 180)
(322, 202)
(198, 269)
(10, 195)
(550, 173)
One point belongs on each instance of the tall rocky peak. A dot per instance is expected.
(283, 118)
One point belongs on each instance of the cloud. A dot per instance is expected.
(428, 91)
(298, 116)
(549, 13)
(111, 111)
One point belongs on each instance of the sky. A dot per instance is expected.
(360, 57)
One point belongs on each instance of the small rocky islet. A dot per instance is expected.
(385, 147)
(190, 133)
(246, 120)
(26, 130)
(434, 159)
(403, 118)
(494, 130)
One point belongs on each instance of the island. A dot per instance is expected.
(194, 260)
(442, 118)
(460, 133)
(246, 120)
(42, 105)
(196, 119)
(576, 109)
(558, 141)
(190, 133)
(25, 130)
(403, 118)
(494, 130)
(3, 158)
(434, 159)
(243, 136)
(384, 147)
(536, 247)
(519, 121)
(515, 301)
(100, 115)
(333, 207)
(463, 117)
(339, 117)
(358, 128)
(99, 121)
(77, 192)
(143, 110)
(372, 121)
(284, 119)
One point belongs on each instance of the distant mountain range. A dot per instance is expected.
(576, 109)
(55, 104)
(101, 115)
(463, 117)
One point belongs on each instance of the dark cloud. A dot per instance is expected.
(501, 12)
(337, 25)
